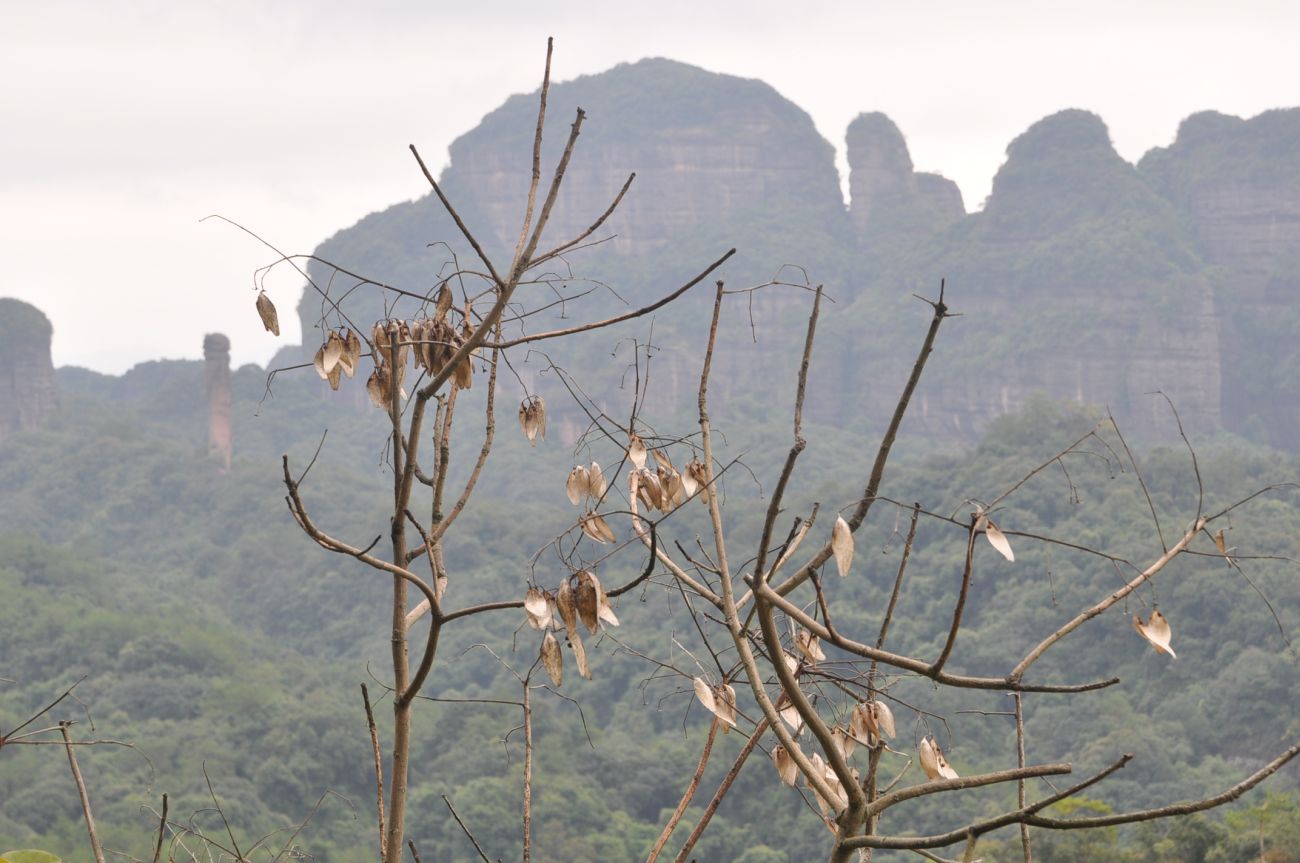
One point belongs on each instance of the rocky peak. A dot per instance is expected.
(28, 394)
(216, 379)
(885, 192)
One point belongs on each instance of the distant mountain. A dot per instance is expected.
(1084, 277)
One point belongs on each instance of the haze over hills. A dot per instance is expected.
(212, 629)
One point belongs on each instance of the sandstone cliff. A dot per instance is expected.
(28, 394)
(1238, 184)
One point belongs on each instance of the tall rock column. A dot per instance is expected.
(28, 394)
(216, 376)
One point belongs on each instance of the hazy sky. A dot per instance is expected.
(124, 123)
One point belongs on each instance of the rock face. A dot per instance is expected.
(1238, 184)
(28, 394)
(1077, 281)
(216, 379)
(885, 193)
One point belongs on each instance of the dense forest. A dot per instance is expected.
(220, 653)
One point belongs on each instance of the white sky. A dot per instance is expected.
(123, 123)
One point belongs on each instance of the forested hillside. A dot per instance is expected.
(210, 640)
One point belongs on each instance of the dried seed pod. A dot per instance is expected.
(568, 608)
(698, 476)
(654, 492)
(661, 460)
(377, 387)
(842, 546)
(725, 700)
(595, 480)
(1220, 543)
(996, 538)
(884, 719)
(353, 346)
(933, 762)
(577, 484)
(785, 766)
(332, 351)
(335, 376)
(586, 595)
(552, 659)
(863, 725)
(689, 483)
(704, 693)
(318, 362)
(604, 610)
(809, 645)
(1156, 631)
(844, 741)
(444, 301)
(266, 311)
(595, 526)
(537, 609)
(404, 343)
(532, 419)
(579, 654)
(789, 714)
(636, 450)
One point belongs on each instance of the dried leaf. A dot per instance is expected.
(636, 450)
(790, 716)
(576, 485)
(689, 484)
(842, 545)
(653, 490)
(335, 376)
(809, 645)
(699, 478)
(538, 409)
(266, 310)
(537, 609)
(661, 460)
(785, 766)
(552, 659)
(1156, 631)
(998, 539)
(595, 480)
(586, 596)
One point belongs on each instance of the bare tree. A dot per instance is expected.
(766, 616)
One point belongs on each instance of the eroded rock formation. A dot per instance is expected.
(216, 379)
(885, 193)
(28, 394)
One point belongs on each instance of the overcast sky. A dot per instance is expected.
(123, 123)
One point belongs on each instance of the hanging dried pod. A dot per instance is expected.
(318, 363)
(595, 526)
(636, 450)
(537, 609)
(884, 719)
(661, 459)
(579, 654)
(577, 484)
(1157, 631)
(844, 741)
(333, 351)
(552, 659)
(839, 801)
(809, 645)
(568, 609)
(595, 480)
(586, 598)
(403, 341)
(532, 418)
(351, 353)
(789, 714)
(689, 483)
(443, 304)
(842, 545)
(698, 478)
(377, 387)
(266, 311)
(933, 762)
(719, 700)
(1220, 542)
(863, 725)
(785, 766)
(604, 610)
(335, 376)
(996, 538)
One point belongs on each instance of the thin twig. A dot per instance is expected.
(95, 847)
